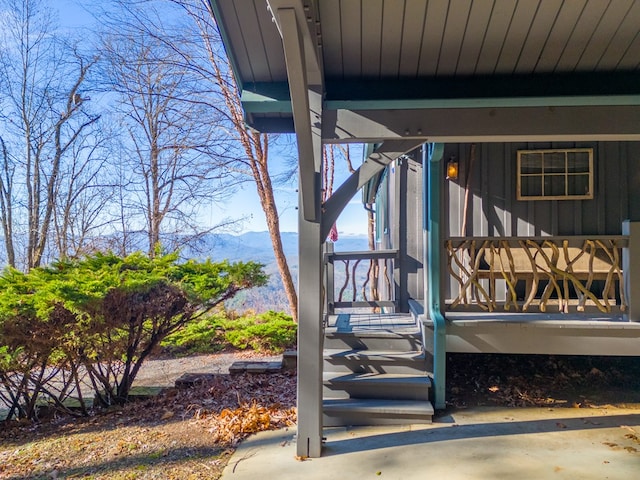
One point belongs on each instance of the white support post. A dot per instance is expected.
(631, 269)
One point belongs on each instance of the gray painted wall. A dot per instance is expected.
(405, 212)
(493, 209)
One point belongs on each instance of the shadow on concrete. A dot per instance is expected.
(453, 431)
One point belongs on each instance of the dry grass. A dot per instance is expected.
(186, 434)
(190, 434)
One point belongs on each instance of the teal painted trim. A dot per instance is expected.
(368, 150)
(434, 103)
(433, 178)
(370, 189)
(589, 90)
(265, 97)
(256, 102)
(582, 85)
(272, 124)
(252, 104)
(226, 41)
(486, 91)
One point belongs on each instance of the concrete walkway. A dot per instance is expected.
(479, 443)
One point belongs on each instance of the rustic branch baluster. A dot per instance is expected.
(453, 255)
(353, 280)
(568, 270)
(346, 280)
(511, 280)
(614, 257)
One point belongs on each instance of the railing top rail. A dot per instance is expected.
(361, 255)
(366, 303)
(620, 240)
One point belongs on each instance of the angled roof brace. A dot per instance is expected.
(305, 86)
(375, 163)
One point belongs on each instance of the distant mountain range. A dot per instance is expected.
(257, 246)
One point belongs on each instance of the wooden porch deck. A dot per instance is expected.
(462, 318)
(363, 322)
(509, 333)
(541, 333)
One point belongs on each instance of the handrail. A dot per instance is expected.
(362, 255)
(365, 293)
(577, 240)
(567, 266)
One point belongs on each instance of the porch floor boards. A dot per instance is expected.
(372, 322)
(550, 319)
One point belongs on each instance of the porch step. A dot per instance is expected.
(375, 371)
(376, 412)
(403, 341)
(374, 361)
(376, 386)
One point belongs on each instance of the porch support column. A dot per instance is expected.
(310, 340)
(432, 179)
(631, 269)
(306, 89)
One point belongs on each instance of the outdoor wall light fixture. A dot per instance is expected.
(452, 169)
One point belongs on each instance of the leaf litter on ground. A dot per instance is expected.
(190, 434)
(179, 434)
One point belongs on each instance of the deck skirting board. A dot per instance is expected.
(551, 337)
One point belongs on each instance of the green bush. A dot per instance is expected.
(271, 332)
(204, 336)
(100, 317)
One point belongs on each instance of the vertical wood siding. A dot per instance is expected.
(493, 209)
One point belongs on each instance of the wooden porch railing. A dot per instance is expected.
(563, 268)
(357, 280)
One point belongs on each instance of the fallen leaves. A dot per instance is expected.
(167, 415)
(229, 427)
(179, 434)
(542, 380)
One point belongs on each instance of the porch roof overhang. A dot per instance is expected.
(404, 72)
(446, 70)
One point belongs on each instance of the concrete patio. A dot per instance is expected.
(477, 443)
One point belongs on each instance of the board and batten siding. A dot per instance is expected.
(493, 208)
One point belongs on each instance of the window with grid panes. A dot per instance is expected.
(555, 174)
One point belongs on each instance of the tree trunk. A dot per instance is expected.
(256, 147)
(6, 205)
(268, 204)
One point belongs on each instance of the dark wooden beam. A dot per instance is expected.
(484, 124)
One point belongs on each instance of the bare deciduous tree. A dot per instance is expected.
(43, 118)
(214, 67)
(196, 48)
(84, 192)
(171, 140)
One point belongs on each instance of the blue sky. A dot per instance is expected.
(353, 220)
(244, 203)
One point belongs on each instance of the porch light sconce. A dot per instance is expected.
(452, 169)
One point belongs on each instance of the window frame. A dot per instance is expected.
(566, 173)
